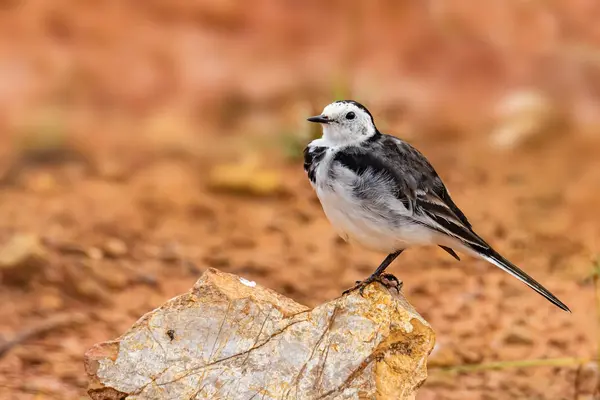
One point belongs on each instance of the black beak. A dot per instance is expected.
(321, 119)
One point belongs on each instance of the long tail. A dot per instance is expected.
(493, 257)
(438, 212)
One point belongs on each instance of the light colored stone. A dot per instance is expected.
(95, 253)
(115, 248)
(246, 177)
(229, 338)
(21, 259)
(525, 117)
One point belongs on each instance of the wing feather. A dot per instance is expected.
(445, 220)
(412, 180)
(433, 205)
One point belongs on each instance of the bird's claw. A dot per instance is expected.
(387, 280)
(390, 281)
(360, 285)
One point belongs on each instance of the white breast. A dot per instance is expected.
(356, 222)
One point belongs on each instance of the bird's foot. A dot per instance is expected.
(387, 280)
(391, 282)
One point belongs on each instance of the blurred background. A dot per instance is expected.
(143, 142)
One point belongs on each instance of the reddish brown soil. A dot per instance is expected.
(156, 95)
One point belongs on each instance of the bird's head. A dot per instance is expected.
(345, 122)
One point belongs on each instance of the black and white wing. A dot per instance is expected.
(411, 179)
(414, 181)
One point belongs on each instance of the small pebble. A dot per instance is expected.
(115, 248)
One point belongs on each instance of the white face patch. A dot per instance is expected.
(247, 282)
(348, 124)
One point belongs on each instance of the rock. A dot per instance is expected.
(229, 338)
(115, 248)
(246, 177)
(49, 302)
(21, 259)
(171, 253)
(525, 117)
(110, 275)
(94, 253)
(520, 336)
(79, 282)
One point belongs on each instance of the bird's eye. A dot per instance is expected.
(350, 115)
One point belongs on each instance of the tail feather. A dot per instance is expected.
(451, 252)
(495, 258)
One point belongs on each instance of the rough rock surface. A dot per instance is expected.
(230, 339)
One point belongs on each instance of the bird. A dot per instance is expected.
(380, 192)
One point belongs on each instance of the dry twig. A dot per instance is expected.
(49, 324)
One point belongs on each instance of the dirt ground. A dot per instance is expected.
(112, 127)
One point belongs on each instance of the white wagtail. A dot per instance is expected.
(382, 193)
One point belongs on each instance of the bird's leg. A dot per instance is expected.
(375, 275)
(385, 263)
